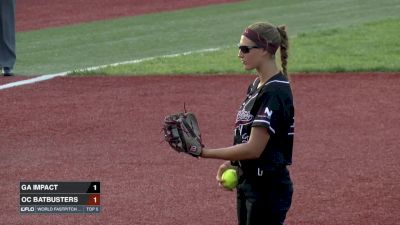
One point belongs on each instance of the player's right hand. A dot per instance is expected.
(224, 166)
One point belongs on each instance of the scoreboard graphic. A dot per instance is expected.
(59, 197)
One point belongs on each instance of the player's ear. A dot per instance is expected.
(265, 52)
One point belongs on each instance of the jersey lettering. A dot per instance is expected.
(244, 118)
(291, 129)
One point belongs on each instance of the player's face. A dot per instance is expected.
(249, 54)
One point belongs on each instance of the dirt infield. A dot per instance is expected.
(6, 80)
(108, 128)
(36, 14)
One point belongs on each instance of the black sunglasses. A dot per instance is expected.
(246, 49)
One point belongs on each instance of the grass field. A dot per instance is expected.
(105, 42)
(369, 47)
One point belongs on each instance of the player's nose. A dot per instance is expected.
(240, 54)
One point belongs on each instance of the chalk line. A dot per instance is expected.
(51, 76)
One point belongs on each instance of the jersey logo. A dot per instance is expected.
(268, 112)
(244, 117)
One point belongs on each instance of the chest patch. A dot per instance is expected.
(244, 118)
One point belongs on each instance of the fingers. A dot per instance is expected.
(222, 169)
(220, 184)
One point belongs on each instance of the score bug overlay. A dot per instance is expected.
(59, 197)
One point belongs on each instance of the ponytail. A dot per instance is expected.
(284, 47)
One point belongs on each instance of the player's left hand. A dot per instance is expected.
(182, 133)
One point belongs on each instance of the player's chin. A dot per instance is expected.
(248, 67)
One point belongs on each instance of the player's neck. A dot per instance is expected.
(266, 71)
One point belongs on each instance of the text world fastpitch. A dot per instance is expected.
(39, 187)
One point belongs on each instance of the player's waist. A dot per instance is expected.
(267, 170)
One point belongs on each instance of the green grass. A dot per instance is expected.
(222, 61)
(370, 47)
(104, 42)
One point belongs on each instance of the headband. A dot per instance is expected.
(260, 41)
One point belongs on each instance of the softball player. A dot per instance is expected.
(263, 137)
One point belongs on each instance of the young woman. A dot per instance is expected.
(263, 137)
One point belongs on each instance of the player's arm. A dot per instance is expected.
(251, 150)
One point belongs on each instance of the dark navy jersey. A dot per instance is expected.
(269, 106)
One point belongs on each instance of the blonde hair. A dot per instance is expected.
(277, 35)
